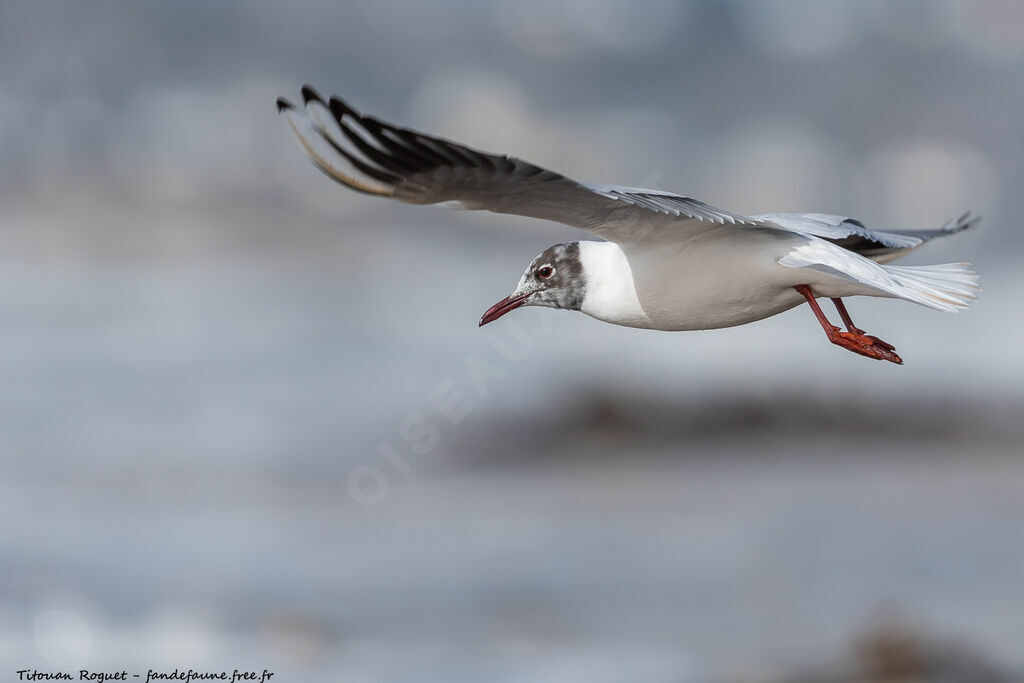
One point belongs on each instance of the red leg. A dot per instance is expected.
(848, 321)
(845, 315)
(855, 341)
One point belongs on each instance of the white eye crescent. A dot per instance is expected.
(544, 272)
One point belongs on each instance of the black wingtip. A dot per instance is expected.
(283, 104)
(309, 93)
(339, 108)
(965, 222)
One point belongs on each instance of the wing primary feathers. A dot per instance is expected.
(445, 149)
(409, 138)
(339, 108)
(419, 162)
(389, 161)
(404, 153)
(443, 153)
(309, 94)
(333, 176)
(383, 176)
(416, 155)
(386, 174)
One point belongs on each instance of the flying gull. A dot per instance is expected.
(664, 261)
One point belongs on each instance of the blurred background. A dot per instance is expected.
(227, 438)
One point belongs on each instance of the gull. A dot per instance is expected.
(664, 261)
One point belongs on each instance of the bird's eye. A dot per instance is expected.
(544, 272)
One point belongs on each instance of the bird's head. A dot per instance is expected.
(554, 279)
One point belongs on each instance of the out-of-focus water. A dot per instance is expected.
(179, 447)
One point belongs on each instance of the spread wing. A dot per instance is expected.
(851, 234)
(371, 156)
(378, 158)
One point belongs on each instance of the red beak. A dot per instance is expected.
(509, 303)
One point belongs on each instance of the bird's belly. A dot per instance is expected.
(719, 309)
(717, 283)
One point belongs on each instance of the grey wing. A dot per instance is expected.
(375, 157)
(851, 234)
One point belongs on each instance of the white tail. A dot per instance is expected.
(945, 287)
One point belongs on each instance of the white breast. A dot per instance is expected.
(611, 293)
